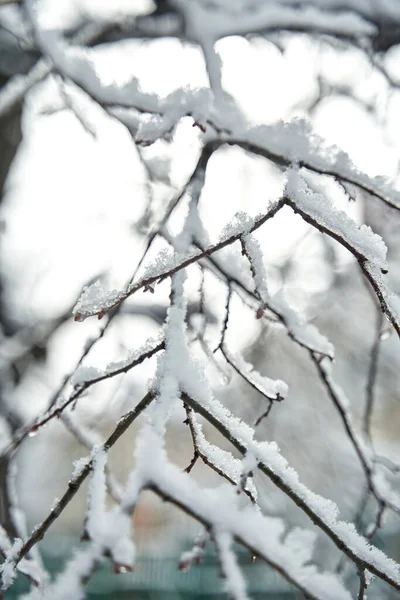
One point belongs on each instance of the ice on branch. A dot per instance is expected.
(365, 242)
(95, 300)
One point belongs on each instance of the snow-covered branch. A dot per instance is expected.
(229, 297)
(322, 512)
(95, 300)
(82, 471)
(367, 247)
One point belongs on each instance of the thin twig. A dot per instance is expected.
(372, 375)
(75, 483)
(148, 282)
(56, 411)
(363, 584)
(226, 316)
(198, 453)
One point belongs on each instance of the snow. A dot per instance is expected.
(31, 567)
(295, 143)
(70, 583)
(85, 374)
(263, 535)
(253, 251)
(7, 568)
(12, 19)
(358, 238)
(19, 85)
(293, 146)
(305, 334)
(96, 496)
(95, 299)
(272, 388)
(234, 582)
(108, 529)
(79, 465)
(195, 554)
(222, 459)
(389, 302)
(385, 488)
(242, 17)
(267, 453)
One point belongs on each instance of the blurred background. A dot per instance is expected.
(79, 201)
